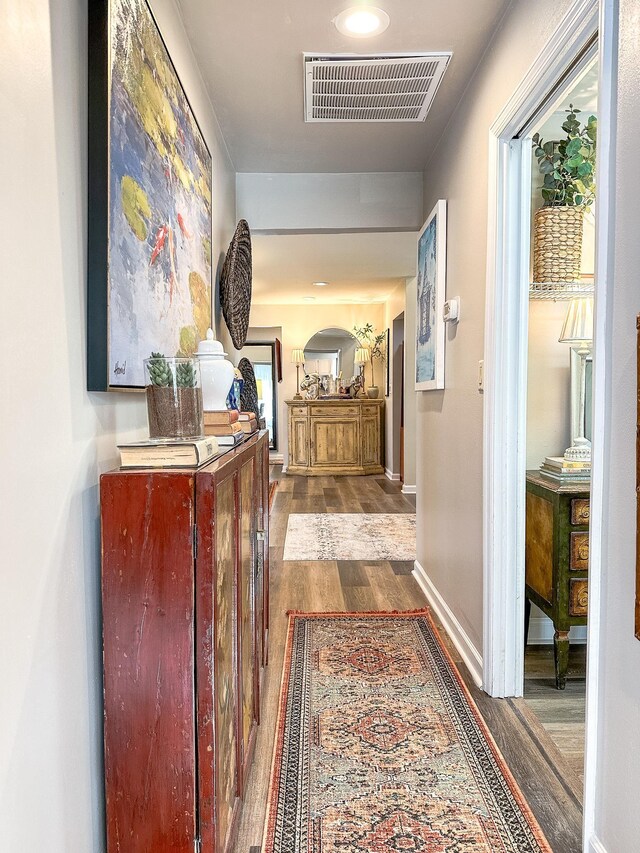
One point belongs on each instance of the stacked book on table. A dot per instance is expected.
(559, 468)
(225, 425)
(169, 453)
(248, 422)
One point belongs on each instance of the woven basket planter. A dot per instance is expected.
(557, 243)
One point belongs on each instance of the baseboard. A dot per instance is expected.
(541, 632)
(468, 652)
(408, 490)
(596, 846)
(390, 475)
(275, 458)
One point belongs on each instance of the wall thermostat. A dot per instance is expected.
(451, 313)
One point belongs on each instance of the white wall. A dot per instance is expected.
(316, 202)
(617, 823)
(449, 422)
(56, 438)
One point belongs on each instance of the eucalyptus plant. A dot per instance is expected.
(367, 337)
(568, 164)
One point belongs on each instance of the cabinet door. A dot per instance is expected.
(334, 441)
(148, 631)
(246, 610)
(299, 442)
(225, 656)
(370, 440)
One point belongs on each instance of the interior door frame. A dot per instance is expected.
(505, 363)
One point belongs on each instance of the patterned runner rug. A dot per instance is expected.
(350, 536)
(380, 747)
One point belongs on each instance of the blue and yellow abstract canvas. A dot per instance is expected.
(160, 196)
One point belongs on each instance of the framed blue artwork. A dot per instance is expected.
(431, 287)
(150, 197)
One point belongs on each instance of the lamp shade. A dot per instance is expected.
(297, 356)
(578, 324)
(362, 355)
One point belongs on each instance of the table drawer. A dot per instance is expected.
(370, 410)
(299, 411)
(579, 551)
(334, 411)
(580, 511)
(578, 596)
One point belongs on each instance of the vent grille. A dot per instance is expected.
(372, 88)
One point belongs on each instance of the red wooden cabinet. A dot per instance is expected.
(185, 579)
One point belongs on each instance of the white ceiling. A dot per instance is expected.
(359, 267)
(250, 54)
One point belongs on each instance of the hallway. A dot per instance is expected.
(547, 783)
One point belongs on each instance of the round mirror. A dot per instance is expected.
(331, 352)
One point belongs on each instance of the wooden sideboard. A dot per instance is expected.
(185, 579)
(557, 559)
(330, 436)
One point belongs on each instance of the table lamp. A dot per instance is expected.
(297, 358)
(361, 357)
(578, 331)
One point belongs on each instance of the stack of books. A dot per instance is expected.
(559, 468)
(168, 453)
(248, 422)
(225, 426)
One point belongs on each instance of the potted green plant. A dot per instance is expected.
(376, 344)
(174, 397)
(568, 190)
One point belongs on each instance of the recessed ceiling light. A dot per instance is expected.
(320, 283)
(362, 21)
(308, 299)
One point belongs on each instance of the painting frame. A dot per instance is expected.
(189, 285)
(430, 298)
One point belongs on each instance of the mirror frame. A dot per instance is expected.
(273, 444)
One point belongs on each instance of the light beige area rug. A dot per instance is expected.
(350, 536)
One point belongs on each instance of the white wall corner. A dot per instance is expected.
(468, 652)
(408, 490)
(391, 476)
(596, 846)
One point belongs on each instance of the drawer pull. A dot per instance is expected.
(580, 511)
(578, 597)
(579, 551)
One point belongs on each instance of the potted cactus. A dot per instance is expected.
(174, 397)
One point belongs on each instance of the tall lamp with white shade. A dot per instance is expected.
(297, 358)
(578, 332)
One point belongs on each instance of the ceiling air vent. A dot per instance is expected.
(398, 87)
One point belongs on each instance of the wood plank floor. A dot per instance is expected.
(546, 780)
(561, 712)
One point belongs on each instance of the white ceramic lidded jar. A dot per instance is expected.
(216, 373)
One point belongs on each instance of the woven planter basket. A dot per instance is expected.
(235, 285)
(557, 243)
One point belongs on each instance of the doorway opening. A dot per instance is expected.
(397, 383)
(558, 411)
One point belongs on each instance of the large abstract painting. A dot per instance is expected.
(430, 331)
(150, 268)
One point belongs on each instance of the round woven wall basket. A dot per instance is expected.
(557, 243)
(235, 285)
(249, 394)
